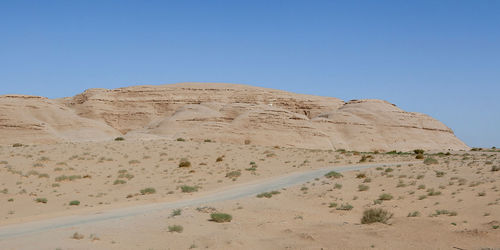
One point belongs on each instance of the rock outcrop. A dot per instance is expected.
(222, 112)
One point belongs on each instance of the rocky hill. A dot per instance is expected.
(221, 112)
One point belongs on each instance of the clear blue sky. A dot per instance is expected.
(441, 58)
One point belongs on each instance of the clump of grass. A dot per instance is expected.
(385, 197)
(419, 156)
(267, 194)
(440, 173)
(418, 151)
(361, 175)
(189, 189)
(74, 203)
(233, 174)
(41, 200)
(175, 228)
(176, 212)
(220, 217)
(333, 174)
(148, 190)
(373, 215)
(430, 160)
(345, 207)
(119, 139)
(495, 168)
(332, 204)
(337, 186)
(180, 139)
(184, 163)
(118, 182)
(445, 212)
(432, 192)
(77, 236)
(363, 187)
(388, 170)
(16, 145)
(414, 214)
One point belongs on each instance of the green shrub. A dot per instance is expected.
(189, 189)
(495, 168)
(176, 212)
(363, 187)
(419, 156)
(373, 215)
(333, 174)
(419, 151)
(175, 228)
(361, 175)
(184, 163)
(430, 160)
(117, 182)
(15, 145)
(119, 139)
(74, 203)
(414, 214)
(180, 139)
(385, 197)
(345, 207)
(148, 191)
(267, 194)
(220, 217)
(233, 174)
(41, 200)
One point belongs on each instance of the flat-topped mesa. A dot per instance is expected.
(235, 113)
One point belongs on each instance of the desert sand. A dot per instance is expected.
(61, 167)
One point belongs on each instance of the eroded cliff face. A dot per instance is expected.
(231, 113)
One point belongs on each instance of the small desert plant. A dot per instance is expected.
(119, 139)
(233, 174)
(361, 175)
(440, 173)
(184, 163)
(189, 189)
(385, 197)
(388, 170)
(175, 228)
(117, 182)
(148, 191)
(176, 212)
(495, 168)
(414, 214)
(419, 156)
(363, 187)
(267, 194)
(419, 151)
(180, 139)
(15, 145)
(432, 192)
(41, 200)
(77, 236)
(333, 174)
(74, 203)
(430, 160)
(345, 207)
(219, 159)
(373, 215)
(220, 217)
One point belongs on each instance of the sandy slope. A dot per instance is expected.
(299, 217)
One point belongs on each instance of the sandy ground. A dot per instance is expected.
(299, 217)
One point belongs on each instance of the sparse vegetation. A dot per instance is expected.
(148, 190)
(175, 228)
(333, 174)
(373, 215)
(184, 163)
(430, 161)
(74, 203)
(267, 194)
(221, 217)
(189, 189)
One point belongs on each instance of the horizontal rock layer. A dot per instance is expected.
(221, 112)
